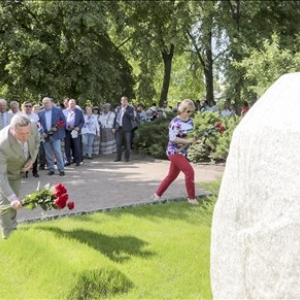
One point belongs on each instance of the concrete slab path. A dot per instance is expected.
(101, 184)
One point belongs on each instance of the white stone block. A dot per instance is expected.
(255, 245)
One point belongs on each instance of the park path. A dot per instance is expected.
(101, 184)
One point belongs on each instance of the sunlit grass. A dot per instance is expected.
(151, 251)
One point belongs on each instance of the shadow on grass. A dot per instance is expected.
(119, 249)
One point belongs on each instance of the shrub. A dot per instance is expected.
(216, 147)
(152, 137)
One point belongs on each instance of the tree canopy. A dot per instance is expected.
(150, 51)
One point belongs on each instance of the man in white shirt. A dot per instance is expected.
(14, 107)
(5, 117)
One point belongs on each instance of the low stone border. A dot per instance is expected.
(87, 212)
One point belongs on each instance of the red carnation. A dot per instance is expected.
(59, 189)
(220, 126)
(71, 205)
(64, 197)
(60, 123)
(60, 203)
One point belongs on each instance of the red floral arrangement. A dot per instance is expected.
(204, 133)
(49, 198)
(70, 128)
(58, 125)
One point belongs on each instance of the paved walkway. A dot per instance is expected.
(103, 184)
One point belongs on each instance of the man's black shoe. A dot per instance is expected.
(35, 174)
(61, 173)
(67, 164)
(51, 173)
(117, 160)
(42, 167)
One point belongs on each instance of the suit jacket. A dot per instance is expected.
(9, 116)
(12, 158)
(127, 118)
(79, 118)
(57, 115)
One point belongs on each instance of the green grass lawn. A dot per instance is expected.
(144, 252)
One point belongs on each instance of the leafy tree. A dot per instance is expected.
(267, 64)
(201, 33)
(60, 48)
(185, 80)
(153, 29)
(247, 24)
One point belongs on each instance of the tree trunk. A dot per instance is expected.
(167, 57)
(208, 71)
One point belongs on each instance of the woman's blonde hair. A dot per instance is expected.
(185, 105)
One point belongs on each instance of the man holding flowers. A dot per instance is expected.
(19, 146)
(52, 122)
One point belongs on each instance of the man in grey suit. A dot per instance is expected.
(5, 116)
(19, 145)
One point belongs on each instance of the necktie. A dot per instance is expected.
(25, 150)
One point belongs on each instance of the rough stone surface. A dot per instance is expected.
(255, 248)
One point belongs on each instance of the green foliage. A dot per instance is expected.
(215, 147)
(221, 149)
(60, 48)
(266, 65)
(150, 29)
(186, 80)
(152, 137)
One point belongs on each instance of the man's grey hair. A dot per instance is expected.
(20, 120)
(14, 102)
(3, 101)
(47, 99)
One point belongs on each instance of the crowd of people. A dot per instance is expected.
(92, 130)
(70, 133)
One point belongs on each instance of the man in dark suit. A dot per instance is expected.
(74, 123)
(123, 128)
(19, 146)
(52, 122)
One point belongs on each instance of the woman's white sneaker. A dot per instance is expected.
(155, 197)
(193, 201)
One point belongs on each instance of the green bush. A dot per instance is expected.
(152, 137)
(216, 147)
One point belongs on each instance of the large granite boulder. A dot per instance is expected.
(255, 246)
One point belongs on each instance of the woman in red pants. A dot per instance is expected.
(177, 148)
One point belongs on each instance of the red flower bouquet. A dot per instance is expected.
(58, 125)
(204, 133)
(70, 127)
(49, 198)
